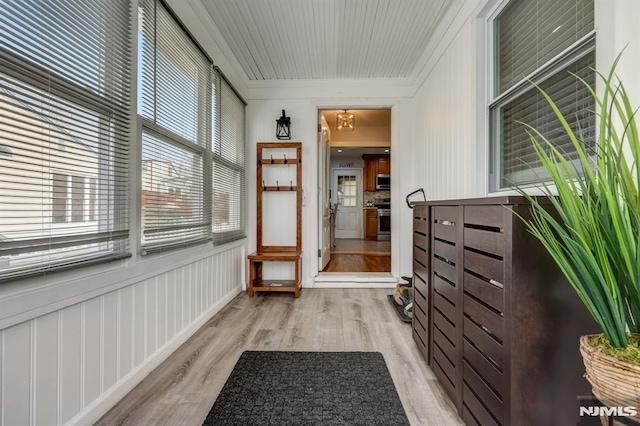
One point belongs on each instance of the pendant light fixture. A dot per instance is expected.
(345, 121)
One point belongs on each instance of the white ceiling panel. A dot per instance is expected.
(321, 39)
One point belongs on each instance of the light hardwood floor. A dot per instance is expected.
(183, 388)
(340, 262)
(359, 246)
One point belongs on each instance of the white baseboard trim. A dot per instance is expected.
(354, 280)
(110, 398)
(346, 284)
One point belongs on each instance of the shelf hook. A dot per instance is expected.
(277, 186)
(285, 159)
(264, 187)
(272, 161)
(290, 185)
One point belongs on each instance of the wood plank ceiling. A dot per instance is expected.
(319, 39)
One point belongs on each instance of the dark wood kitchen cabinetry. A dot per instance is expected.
(384, 164)
(371, 224)
(502, 323)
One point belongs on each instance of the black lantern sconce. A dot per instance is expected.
(283, 127)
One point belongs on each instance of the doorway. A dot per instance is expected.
(354, 197)
(346, 187)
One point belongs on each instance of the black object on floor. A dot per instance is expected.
(399, 309)
(308, 388)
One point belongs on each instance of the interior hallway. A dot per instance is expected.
(182, 389)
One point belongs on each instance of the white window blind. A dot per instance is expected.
(543, 41)
(532, 32)
(229, 216)
(175, 106)
(64, 134)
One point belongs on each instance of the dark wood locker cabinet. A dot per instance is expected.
(505, 323)
(421, 288)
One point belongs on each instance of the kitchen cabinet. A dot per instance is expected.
(370, 171)
(371, 223)
(374, 164)
(384, 165)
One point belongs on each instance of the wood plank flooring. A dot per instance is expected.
(182, 389)
(360, 246)
(358, 263)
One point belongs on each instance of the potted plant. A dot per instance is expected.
(593, 235)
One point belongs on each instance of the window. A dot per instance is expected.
(73, 198)
(175, 110)
(544, 41)
(64, 105)
(229, 218)
(347, 191)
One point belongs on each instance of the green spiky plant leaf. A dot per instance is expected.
(594, 238)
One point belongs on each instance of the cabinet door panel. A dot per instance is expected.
(492, 216)
(487, 318)
(384, 165)
(477, 409)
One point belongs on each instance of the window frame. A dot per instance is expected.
(224, 88)
(200, 147)
(64, 93)
(570, 55)
(68, 205)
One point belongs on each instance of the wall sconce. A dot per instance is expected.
(283, 127)
(346, 121)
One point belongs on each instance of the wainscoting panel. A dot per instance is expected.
(71, 365)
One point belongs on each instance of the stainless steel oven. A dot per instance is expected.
(384, 224)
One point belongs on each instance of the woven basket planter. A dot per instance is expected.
(615, 383)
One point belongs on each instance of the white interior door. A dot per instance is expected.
(324, 183)
(347, 197)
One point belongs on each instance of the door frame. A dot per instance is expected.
(396, 250)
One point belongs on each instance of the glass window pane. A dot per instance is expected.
(59, 198)
(172, 196)
(77, 199)
(529, 33)
(520, 163)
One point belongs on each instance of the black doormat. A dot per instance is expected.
(308, 388)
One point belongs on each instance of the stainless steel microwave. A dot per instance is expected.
(383, 181)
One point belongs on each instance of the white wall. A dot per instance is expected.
(261, 115)
(351, 162)
(447, 145)
(73, 345)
